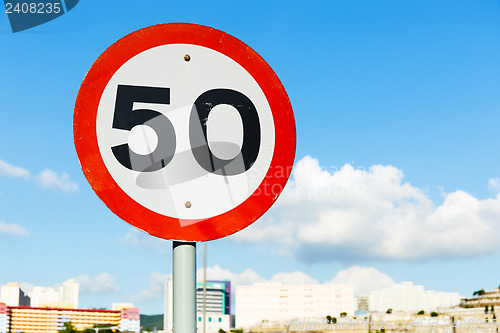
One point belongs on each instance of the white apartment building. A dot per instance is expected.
(43, 296)
(12, 295)
(407, 297)
(69, 293)
(67, 296)
(282, 303)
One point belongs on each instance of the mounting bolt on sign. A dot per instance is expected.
(184, 132)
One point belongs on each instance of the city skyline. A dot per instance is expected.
(419, 296)
(396, 176)
(413, 297)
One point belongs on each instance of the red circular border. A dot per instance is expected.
(85, 136)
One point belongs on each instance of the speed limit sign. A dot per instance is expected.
(184, 132)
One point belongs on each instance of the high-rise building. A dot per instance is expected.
(44, 297)
(218, 306)
(407, 297)
(282, 303)
(12, 295)
(69, 292)
(218, 297)
(66, 296)
(168, 307)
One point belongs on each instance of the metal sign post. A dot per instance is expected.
(205, 287)
(184, 287)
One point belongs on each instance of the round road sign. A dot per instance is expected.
(184, 132)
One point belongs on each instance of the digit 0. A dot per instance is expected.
(199, 140)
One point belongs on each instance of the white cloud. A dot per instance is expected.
(494, 184)
(352, 214)
(156, 288)
(272, 232)
(47, 179)
(248, 276)
(50, 179)
(140, 239)
(102, 283)
(27, 287)
(13, 171)
(13, 229)
(157, 281)
(296, 277)
(363, 279)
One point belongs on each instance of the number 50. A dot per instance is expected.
(125, 118)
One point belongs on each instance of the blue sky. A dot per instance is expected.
(397, 171)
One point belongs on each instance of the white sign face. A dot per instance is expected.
(185, 131)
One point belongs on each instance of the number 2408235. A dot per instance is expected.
(33, 8)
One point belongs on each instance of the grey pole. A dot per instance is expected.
(204, 287)
(184, 287)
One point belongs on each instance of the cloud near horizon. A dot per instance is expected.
(352, 215)
(46, 179)
(13, 229)
(13, 171)
(155, 289)
(363, 279)
(52, 180)
(102, 283)
(144, 241)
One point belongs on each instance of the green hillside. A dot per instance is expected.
(152, 322)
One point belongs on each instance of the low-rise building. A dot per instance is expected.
(275, 302)
(407, 297)
(130, 320)
(482, 299)
(50, 320)
(4, 318)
